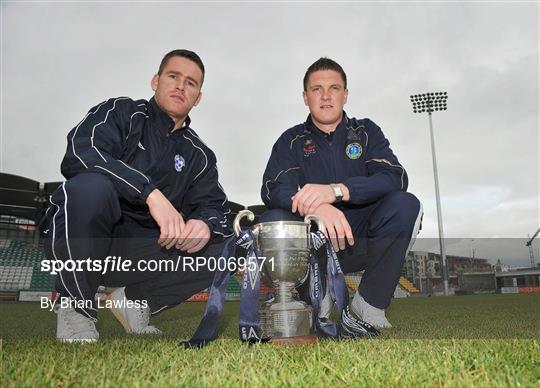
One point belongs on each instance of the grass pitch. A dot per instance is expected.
(489, 340)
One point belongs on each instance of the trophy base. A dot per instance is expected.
(303, 340)
(288, 322)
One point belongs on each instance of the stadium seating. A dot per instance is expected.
(20, 267)
(407, 285)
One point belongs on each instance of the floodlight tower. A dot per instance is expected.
(432, 102)
(529, 244)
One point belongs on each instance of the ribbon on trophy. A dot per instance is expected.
(206, 331)
(336, 282)
(351, 326)
(249, 323)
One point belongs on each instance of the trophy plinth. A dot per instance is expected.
(286, 247)
(288, 322)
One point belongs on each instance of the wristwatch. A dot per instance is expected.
(337, 192)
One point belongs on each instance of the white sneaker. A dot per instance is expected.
(372, 315)
(134, 319)
(74, 327)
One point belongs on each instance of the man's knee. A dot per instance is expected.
(402, 210)
(91, 188)
(405, 200)
(90, 185)
(91, 195)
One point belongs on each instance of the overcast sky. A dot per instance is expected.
(60, 59)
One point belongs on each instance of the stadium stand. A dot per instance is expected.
(352, 281)
(23, 202)
(407, 285)
(21, 197)
(20, 268)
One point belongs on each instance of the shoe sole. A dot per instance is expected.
(156, 333)
(77, 340)
(381, 326)
(119, 315)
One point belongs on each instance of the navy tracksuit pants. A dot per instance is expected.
(86, 220)
(383, 234)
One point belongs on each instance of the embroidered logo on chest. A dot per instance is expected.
(309, 148)
(353, 150)
(179, 162)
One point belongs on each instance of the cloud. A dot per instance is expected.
(59, 59)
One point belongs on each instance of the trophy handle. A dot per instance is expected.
(310, 218)
(241, 214)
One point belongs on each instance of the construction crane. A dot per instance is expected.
(529, 244)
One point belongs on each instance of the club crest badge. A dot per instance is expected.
(179, 162)
(353, 150)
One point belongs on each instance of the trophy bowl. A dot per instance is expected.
(285, 247)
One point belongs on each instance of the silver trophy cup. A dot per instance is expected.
(285, 245)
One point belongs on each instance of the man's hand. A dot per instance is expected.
(337, 226)
(310, 197)
(194, 237)
(171, 223)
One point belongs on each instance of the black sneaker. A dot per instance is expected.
(352, 327)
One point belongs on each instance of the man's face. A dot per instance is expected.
(178, 88)
(325, 97)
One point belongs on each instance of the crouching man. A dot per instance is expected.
(342, 170)
(141, 186)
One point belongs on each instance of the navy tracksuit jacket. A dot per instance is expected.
(130, 142)
(384, 218)
(121, 151)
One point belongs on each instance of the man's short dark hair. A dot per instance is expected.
(193, 57)
(325, 64)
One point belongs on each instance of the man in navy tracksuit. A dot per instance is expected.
(141, 185)
(342, 170)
